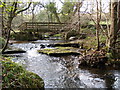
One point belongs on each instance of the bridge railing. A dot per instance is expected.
(41, 26)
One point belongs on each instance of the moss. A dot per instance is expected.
(2, 42)
(60, 51)
(57, 35)
(15, 76)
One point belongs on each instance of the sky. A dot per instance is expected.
(87, 3)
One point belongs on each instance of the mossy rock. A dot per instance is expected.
(15, 76)
(75, 45)
(60, 51)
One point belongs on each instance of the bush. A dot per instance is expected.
(15, 76)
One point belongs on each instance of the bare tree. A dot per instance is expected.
(119, 16)
(98, 23)
(12, 12)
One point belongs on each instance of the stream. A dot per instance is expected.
(63, 72)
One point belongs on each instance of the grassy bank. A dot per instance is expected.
(15, 76)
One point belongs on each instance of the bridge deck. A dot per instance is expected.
(41, 26)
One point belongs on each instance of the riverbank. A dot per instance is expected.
(15, 76)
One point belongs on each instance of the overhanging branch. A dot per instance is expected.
(24, 9)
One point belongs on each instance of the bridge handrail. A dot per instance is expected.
(27, 25)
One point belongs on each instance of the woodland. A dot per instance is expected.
(70, 31)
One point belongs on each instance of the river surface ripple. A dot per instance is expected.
(63, 72)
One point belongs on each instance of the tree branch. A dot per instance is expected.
(61, 1)
(15, 7)
(24, 8)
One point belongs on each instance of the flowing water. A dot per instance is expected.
(63, 72)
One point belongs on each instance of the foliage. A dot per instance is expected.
(42, 16)
(67, 10)
(101, 22)
(15, 76)
(51, 7)
(2, 42)
(103, 38)
(68, 7)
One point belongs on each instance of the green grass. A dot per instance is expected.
(102, 22)
(57, 35)
(103, 38)
(15, 76)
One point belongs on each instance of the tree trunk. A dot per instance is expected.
(11, 14)
(113, 28)
(110, 8)
(79, 17)
(57, 17)
(97, 27)
(118, 16)
(33, 15)
(2, 19)
(8, 33)
(51, 17)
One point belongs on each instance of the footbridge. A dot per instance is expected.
(41, 26)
